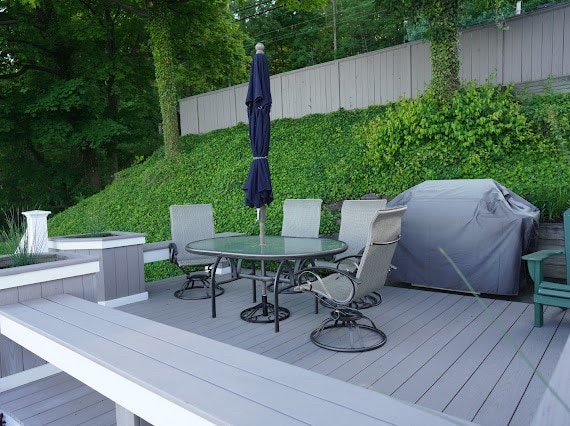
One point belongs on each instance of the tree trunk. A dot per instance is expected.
(163, 55)
(444, 37)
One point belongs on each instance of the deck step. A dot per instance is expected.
(56, 400)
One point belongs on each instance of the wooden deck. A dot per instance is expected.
(443, 351)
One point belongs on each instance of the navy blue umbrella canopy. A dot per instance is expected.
(257, 186)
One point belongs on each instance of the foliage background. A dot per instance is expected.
(486, 133)
(78, 93)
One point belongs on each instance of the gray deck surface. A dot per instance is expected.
(443, 350)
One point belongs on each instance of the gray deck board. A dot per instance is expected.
(412, 332)
(97, 412)
(533, 391)
(61, 411)
(415, 385)
(436, 333)
(443, 351)
(461, 369)
(476, 391)
(514, 379)
(56, 400)
(38, 386)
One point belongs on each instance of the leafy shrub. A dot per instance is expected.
(484, 133)
(550, 116)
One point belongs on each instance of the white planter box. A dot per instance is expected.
(58, 273)
(54, 267)
(120, 279)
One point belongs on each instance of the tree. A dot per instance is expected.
(443, 29)
(163, 19)
(76, 100)
(441, 18)
(295, 38)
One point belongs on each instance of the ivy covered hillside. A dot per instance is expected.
(485, 132)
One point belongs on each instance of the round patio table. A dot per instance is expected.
(275, 248)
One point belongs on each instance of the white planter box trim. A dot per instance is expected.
(118, 239)
(47, 271)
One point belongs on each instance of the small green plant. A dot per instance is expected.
(12, 243)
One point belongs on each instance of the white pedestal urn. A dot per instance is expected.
(121, 278)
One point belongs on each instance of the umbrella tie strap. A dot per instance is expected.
(260, 158)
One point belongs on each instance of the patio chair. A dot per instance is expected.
(301, 218)
(355, 218)
(545, 292)
(193, 222)
(347, 329)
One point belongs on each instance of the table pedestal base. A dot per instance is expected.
(263, 312)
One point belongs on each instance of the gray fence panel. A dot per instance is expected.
(276, 96)
(566, 43)
(189, 116)
(530, 48)
(478, 54)
(347, 77)
(240, 94)
(218, 110)
(421, 67)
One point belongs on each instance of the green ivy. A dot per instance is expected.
(483, 133)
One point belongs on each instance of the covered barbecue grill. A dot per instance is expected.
(482, 226)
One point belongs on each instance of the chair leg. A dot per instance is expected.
(538, 314)
(197, 286)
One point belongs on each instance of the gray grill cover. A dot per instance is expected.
(480, 224)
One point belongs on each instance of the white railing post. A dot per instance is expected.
(36, 236)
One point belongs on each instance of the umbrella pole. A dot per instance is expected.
(261, 215)
(264, 310)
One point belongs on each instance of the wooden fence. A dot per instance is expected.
(528, 50)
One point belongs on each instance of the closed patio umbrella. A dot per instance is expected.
(257, 187)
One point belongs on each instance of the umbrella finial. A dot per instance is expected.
(259, 48)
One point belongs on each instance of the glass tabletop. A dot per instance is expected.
(275, 247)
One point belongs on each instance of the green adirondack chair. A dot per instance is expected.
(547, 293)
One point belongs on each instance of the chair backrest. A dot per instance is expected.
(566, 218)
(383, 236)
(355, 218)
(301, 217)
(190, 222)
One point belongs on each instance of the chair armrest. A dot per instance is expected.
(228, 234)
(328, 271)
(351, 263)
(535, 262)
(539, 256)
(318, 282)
(173, 253)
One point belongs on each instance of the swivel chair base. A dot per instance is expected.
(196, 287)
(343, 333)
